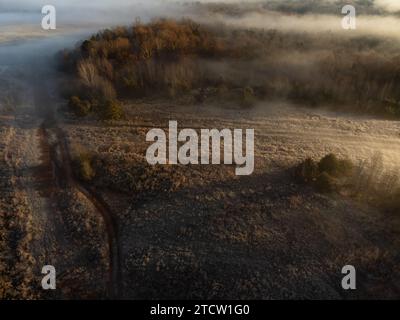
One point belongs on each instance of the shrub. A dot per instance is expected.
(80, 107)
(111, 110)
(367, 181)
(325, 183)
(328, 175)
(84, 168)
(335, 167)
(329, 164)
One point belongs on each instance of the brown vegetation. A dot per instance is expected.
(366, 181)
(174, 58)
(17, 264)
(324, 175)
(138, 179)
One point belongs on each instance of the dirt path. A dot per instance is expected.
(65, 168)
(56, 156)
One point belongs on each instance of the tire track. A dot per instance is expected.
(53, 138)
(101, 206)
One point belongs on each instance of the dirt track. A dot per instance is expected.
(283, 136)
(39, 145)
(36, 152)
(53, 139)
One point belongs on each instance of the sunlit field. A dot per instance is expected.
(77, 108)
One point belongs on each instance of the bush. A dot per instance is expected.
(111, 110)
(329, 164)
(335, 167)
(367, 181)
(80, 107)
(328, 175)
(325, 183)
(84, 167)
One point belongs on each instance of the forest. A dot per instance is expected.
(170, 59)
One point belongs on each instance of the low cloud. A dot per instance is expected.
(380, 26)
(388, 5)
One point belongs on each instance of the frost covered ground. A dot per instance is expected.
(215, 235)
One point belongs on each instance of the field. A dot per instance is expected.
(205, 226)
(77, 191)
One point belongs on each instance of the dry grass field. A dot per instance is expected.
(77, 192)
(202, 232)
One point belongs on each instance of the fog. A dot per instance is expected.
(21, 35)
(22, 39)
(388, 5)
(380, 26)
(94, 13)
(24, 16)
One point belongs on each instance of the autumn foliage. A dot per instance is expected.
(131, 61)
(167, 58)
